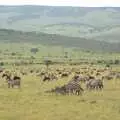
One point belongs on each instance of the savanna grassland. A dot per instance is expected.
(76, 41)
(32, 103)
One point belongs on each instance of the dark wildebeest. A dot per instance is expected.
(31, 71)
(80, 78)
(94, 84)
(64, 75)
(23, 73)
(46, 78)
(42, 73)
(6, 76)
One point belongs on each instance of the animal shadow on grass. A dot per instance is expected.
(87, 101)
(82, 100)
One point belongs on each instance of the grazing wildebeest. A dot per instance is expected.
(31, 71)
(42, 73)
(16, 78)
(94, 84)
(23, 73)
(80, 78)
(64, 75)
(77, 72)
(6, 76)
(46, 78)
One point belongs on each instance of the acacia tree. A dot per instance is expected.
(66, 55)
(47, 63)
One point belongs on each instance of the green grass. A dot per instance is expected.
(32, 103)
(56, 53)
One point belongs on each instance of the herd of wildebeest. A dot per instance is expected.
(92, 78)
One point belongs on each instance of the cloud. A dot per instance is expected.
(91, 3)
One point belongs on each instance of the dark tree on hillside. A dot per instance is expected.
(117, 62)
(47, 63)
(66, 55)
(13, 54)
(34, 50)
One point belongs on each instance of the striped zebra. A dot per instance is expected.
(15, 81)
(71, 88)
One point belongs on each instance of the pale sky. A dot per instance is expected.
(90, 3)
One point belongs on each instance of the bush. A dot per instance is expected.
(1, 63)
(47, 62)
(116, 62)
(107, 65)
(34, 50)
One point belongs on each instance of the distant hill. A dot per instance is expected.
(57, 40)
(98, 23)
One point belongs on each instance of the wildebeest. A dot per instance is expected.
(46, 78)
(65, 74)
(6, 76)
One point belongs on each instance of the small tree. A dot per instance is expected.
(47, 63)
(13, 54)
(66, 55)
(34, 50)
(107, 65)
(116, 62)
(1, 63)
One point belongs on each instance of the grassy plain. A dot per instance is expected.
(31, 103)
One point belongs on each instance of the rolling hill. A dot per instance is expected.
(12, 36)
(84, 27)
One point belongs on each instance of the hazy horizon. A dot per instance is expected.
(81, 3)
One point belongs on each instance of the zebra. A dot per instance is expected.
(94, 84)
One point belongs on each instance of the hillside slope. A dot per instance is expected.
(57, 40)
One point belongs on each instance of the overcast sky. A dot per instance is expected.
(90, 3)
